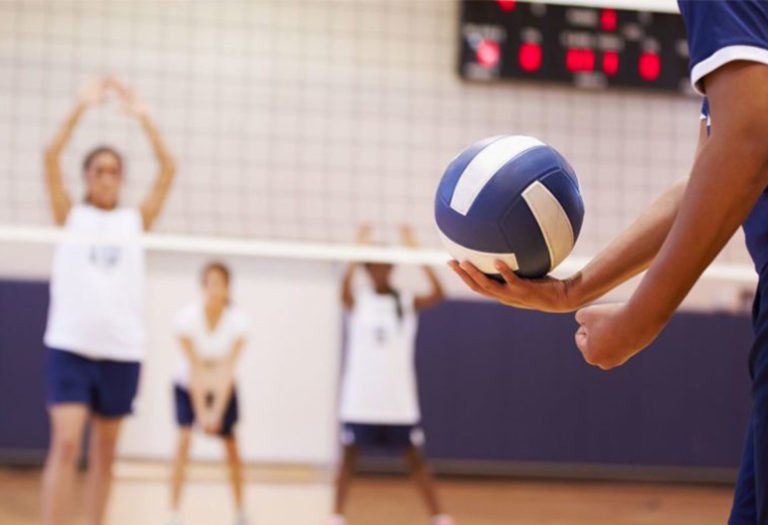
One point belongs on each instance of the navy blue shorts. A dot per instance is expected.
(185, 411)
(724, 31)
(108, 388)
(387, 437)
(750, 503)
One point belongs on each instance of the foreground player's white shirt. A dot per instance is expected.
(209, 344)
(97, 290)
(379, 381)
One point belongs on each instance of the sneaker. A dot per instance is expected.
(241, 519)
(336, 520)
(174, 519)
(443, 519)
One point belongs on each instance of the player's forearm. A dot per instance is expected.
(347, 297)
(437, 287)
(65, 132)
(727, 180)
(631, 252)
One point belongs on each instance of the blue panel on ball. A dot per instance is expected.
(526, 241)
(561, 185)
(471, 232)
(510, 181)
(458, 165)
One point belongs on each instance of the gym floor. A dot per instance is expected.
(300, 497)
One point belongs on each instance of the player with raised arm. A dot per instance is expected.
(379, 399)
(683, 231)
(95, 322)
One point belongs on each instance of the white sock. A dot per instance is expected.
(440, 519)
(337, 519)
(174, 518)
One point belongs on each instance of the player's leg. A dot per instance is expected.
(235, 476)
(115, 387)
(101, 456)
(185, 417)
(744, 510)
(179, 469)
(422, 477)
(349, 456)
(67, 425)
(234, 462)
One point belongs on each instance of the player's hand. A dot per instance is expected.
(408, 237)
(546, 294)
(211, 423)
(608, 335)
(93, 93)
(131, 102)
(364, 234)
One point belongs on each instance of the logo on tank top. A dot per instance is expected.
(104, 257)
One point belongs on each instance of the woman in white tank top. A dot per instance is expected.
(95, 334)
(379, 401)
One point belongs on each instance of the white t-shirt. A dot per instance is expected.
(379, 380)
(208, 344)
(97, 290)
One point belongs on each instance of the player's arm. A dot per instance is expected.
(60, 201)
(225, 382)
(347, 295)
(436, 293)
(196, 375)
(629, 254)
(727, 178)
(154, 201)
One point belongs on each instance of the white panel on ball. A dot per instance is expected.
(484, 261)
(554, 222)
(484, 166)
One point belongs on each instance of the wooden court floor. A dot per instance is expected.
(295, 497)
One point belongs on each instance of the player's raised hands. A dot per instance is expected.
(93, 93)
(546, 294)
(132, 104)
(364, 233)
(408, 236)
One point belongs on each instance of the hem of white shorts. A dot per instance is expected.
(724, 56)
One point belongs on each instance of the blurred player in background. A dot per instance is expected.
(212, 334)
(95, 323)
(379, 401)
(683, 231)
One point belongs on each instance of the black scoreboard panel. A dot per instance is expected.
(577, 45)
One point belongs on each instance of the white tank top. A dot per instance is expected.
(379, 380)
(97, 291)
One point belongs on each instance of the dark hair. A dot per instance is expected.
(95, 152)
(216, 266)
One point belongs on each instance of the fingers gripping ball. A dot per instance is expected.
(511, 198)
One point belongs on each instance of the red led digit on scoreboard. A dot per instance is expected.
(611, 63)
(580, 60)
(488, 53)
(507, 5)
(649, 66)
(530, 57)
(609, 20)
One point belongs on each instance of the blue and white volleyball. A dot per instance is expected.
(511, 198)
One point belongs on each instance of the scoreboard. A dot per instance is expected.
(578, 45)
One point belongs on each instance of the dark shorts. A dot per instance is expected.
(185, 411)
(387, 437)
(108, 388)
(750, 503)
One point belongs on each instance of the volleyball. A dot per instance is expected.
(511, 198)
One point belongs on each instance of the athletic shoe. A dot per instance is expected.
(241, 519)
(336, 520)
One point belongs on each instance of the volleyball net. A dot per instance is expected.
(293, 122)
